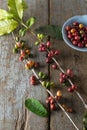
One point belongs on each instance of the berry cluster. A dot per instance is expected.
(25, 53)
(52, 100)
(66, 76)
(50, 52)
(77, 34)
(33, 80)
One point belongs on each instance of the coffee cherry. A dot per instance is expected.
(18, 44)
(61, 80)
(75, 24)
(52, 101)
(32, 78)
(48, 60)
(59, 93)
(68, 28)
(54, 66)
(69, 72)
(70, 89)
(57, 52)
(74, 87)
(43, 83)
(21, 58)
(32, 82)
(52, 106)
(48, 44)
(81, 26)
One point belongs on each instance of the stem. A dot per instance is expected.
(24, 25)
(58, 104)
(13, 36)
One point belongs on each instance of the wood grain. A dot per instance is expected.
(60, 11)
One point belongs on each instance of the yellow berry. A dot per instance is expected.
(73, 30)
(59, 93)
(81, 25)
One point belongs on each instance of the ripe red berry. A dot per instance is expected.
(57, 52)
(74, 87)
(61, 80)
(33, 77)
(48, 44)
(21, 58)
(48, 60)
(54, 66)
(52, 101)
(69, 72)
(33, 82)
(70, 89)
(52, 106)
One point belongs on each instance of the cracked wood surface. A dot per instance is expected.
(14, 79)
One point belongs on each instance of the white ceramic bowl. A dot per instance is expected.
(79, 18)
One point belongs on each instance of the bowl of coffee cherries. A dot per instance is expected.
(74, 32)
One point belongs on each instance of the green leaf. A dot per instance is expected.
(85, 121)
(4, 14)
(7, 26)
(50, 30)
(16, 8)
(36, 107)
(30, 21)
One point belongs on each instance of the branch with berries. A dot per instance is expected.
(23, 50)
(64, 76)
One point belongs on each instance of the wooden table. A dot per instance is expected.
(14, 79)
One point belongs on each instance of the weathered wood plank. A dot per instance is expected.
(14, 79)
(60, 11)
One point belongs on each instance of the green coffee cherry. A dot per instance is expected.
(16, 46)
(40, 36)
(44, 76)
(44, 83)
(47, 84)
(52, 84)
(15, 50)
(17, 39)
(37, 43)
(40, 74)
